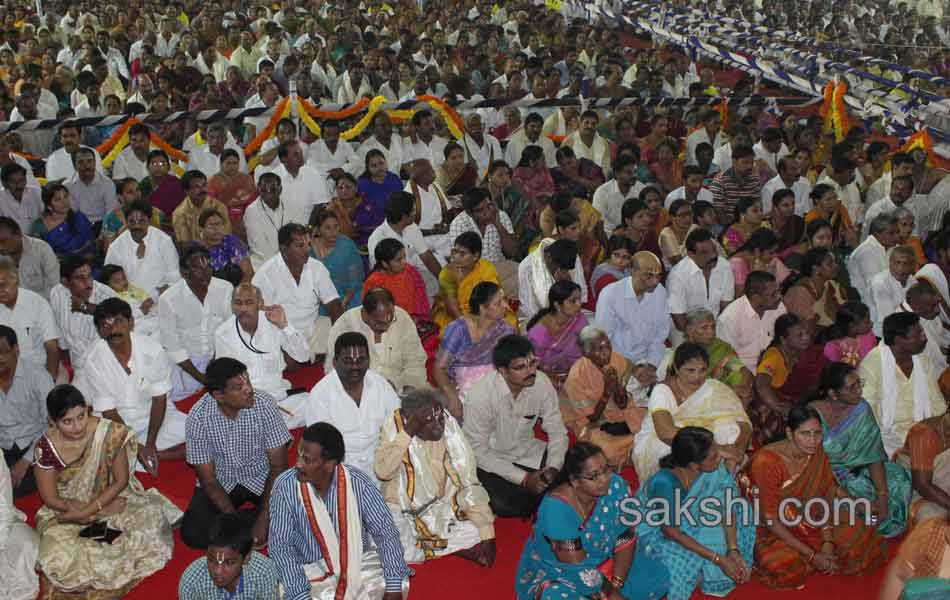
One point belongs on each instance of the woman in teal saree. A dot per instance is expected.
(853, 443)
(714, 557)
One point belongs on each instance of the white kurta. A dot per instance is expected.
(158, 268)
(19, 546)
(32, 320)
(79, 333)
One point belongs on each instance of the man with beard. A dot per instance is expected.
(237, 444)
(501, 411)
(18, 201)
(34, 259)
(189, 312)
(127, 377)
(74, 302)
(445, 510)
(146, 254)
(316, 556)
(354, 399)
(701, 280)
(587, 143)
(258, 335)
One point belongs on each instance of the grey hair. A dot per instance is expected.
(907, 251)
(900, 212)
(9, 267)
(588, 336)
(248, 285)
(698, 315)
(420, 398)
(882, 222)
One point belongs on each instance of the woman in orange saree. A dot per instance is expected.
(798, 468)
(406, 285)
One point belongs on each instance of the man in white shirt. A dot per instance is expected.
(73, 302)
(902, 165)
(431, 208)
(59, 164)
(210, 62)
(303, 187)
(167, 42)
(133, 160)
(530, 135)
(901, 194)
(31, 317)
(481, 147)
(395, 350)
(709, 132)
(424, 144)
(35, 261)
(788, 178)
(587, 143)
(870, 257)
(841, 179)
(702, 279)
(383, 140)
(748, 323)
(263, 218)
(7, 157)
(91, 192)
(146, 254)
(552, 261)
(300, 284)
(610, 197)
(18, 201)
(189, 312)
(127, 378)
(207, 158)
(354, 399)
(771, 148)
(329, 154)
(888, 289)
(399, 225)
(258, 335)
(692, 189)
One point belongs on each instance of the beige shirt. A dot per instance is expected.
(500, 427)
(399, 356)
(185, 218)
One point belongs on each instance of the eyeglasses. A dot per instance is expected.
(605, 472)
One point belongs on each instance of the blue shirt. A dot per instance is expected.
(637, 328)
(291, 543)
(258, 581)
(236, 447)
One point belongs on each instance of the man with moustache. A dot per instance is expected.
(701, 280)
(237, 444)
(315, 559)
(91, 192)
(748, 323)
(35, 260)
(31, 317)
(128, 377)
(444, 510)
(74, 302)
(146, 254)
(501, 411)
(354, 399)
(258, 335)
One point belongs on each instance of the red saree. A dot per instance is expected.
(860, 548)
(409, 292)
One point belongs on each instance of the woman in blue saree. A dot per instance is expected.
(852, 440)
(68, 232)
(339, 255)
(577, 531)
(695, 553)
(378, 182)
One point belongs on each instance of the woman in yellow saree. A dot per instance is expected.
(458, 278)
(84, 472)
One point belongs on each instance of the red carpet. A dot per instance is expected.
(450, 577)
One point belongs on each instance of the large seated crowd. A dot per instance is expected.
(731, 303)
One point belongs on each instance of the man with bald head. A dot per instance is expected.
(258, 335)
(634, 313)
(395, 350)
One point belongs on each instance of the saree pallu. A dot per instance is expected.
(377, 194)
(582, 390)
(541, 576)
(346, 272)
(790, 387)
(165, 196)
(467, 359)
(409, 292)
(687, 569)
(451, 287)
(74, 564)
(458, 184)
(604, 274)
(78, 240)
(359, 224)
(859, 547)
(235, 194)
(854, 444)
(724, 364)
(558, 353)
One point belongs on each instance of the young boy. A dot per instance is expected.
(144, 311)
(230, 569)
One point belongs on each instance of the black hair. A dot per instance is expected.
(399, 205)
(220, 371)
(781, 194)
(285, 235)
(49, 192)
(847, 316)
(481, 295)
(509, 348)
(329, 438)
(473, 197)
(760, 239)
(9, 335)
(618, 242)
(686, 352)
(832, 378)
(375, 297)
(140, 205)
(530, 154)
(742, 151)
(386, 250)
(62, 399)
(560, 291)
(783, 326)
(756, 282)
(564, 219)
(898, 325)
(563, 253)
(153, 154)
(9, 224)
(349, 339)
(561, 201)
(696, 237)
(631, 207)
(190, 251)
(799, 414)
(111, 307)
(574, 460)
(471, 241)
(229, 153)
(700, 208)
(231, 530)
(691, 445)
(191, 176)
(72, 263)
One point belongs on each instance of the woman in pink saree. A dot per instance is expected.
(554, 331)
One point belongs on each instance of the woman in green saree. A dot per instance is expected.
(852, 441)
(84, 472)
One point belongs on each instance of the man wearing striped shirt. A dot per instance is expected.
(739, 181)
(322, 517)
(73, 302)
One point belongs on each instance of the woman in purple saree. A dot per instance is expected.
(554, 331)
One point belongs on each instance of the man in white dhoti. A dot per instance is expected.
(258, 335)
(354, 399)
(323, 516)
(428, 474)
(19, 546)
(128, 378)
(189, 312)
